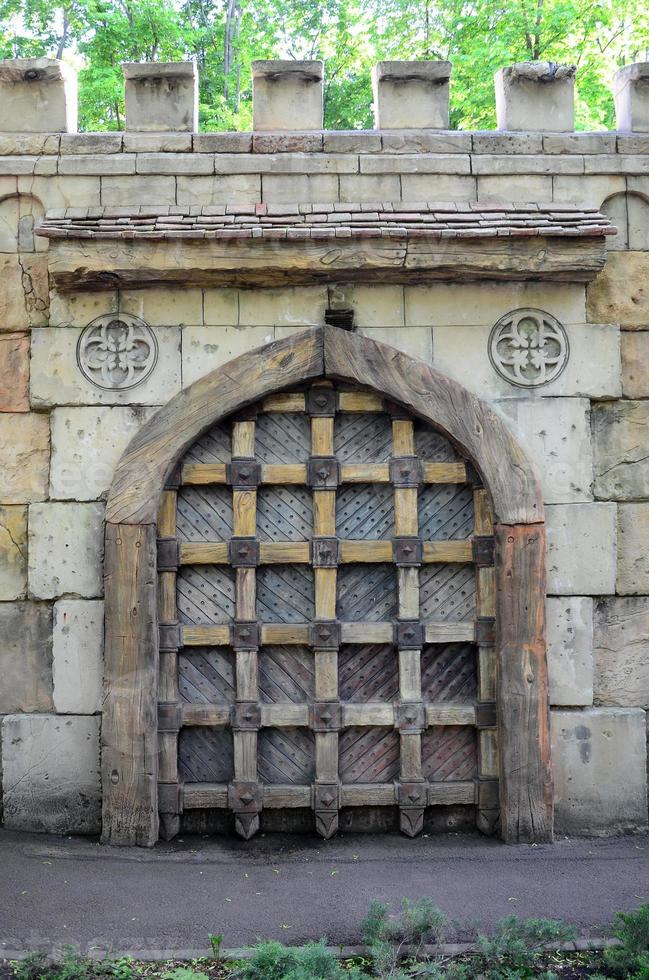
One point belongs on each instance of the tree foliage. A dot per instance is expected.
(224, 36)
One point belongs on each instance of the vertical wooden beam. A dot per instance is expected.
(523, 710)
(130, 721)
(168, 697)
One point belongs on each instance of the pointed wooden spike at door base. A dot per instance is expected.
(169, 825)
(246, 824)
(411, 822)
(326, 824)
(488, 822)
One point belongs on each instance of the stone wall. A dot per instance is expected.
(61, 433)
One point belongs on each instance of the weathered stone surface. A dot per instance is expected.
(19, 215)
(139, 189)
(633, 549)
(437, 187)
(540, 94)
(81, 164)
(79, 309)
(222, 142)
(411, 94)
(479, 304)
(174, 163)
(298, 306)
(307, 188)
(86, 446)
(581, 548)
(415, 341)
(206, 348)
(164, 307)
(631, 92)
(635, 359)
(158, 142)
(25, 656)
(373, 306)
(621, 464)
(73, 143)
(593, 368)
(14, 372)
(66, 549)
(620, 293)
(51, 773)
(24, 457)
(556, 435)
(287, 94)
(220, 307)
(25, 290)
(621, 650)
(78, 646)
(161, 96)
(529, 188)
(221, 189)
(37, 95)
(415, 163)
(13, 552)
(630, 215)
(591, 188)
(57, 380)
(365, 187)
(68, 192)
(570, 650)
(599, 758)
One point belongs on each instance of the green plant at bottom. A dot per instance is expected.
(631, 957)
(516, 948)
(387, 936)
(271, 960)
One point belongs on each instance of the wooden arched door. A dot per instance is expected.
(327, 622)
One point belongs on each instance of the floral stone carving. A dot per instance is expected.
(528, 348)
(117, 351)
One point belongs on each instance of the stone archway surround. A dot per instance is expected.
(130, 729)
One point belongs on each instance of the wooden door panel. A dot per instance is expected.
(324, 643)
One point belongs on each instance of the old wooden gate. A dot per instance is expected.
(326, 602)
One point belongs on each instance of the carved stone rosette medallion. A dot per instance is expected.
(117, 351)
(528, 348)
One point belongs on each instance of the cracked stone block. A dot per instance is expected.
(556, 435)
(25, 657)
(37, 95)
(13, 552)
(78, 646)
(87, 444)
(56, 378)
(14, 372)
(570, 649)
(621, 650)
(297, 306)
(24, 299)
(414, 341)
(599, 758)
(621, 458)
(581, 548)
(78, 309)
(537, 96)
(24, 457)
(633, 549)
(164, 307)
(206, 348)
(51, 773)
(66, 550)
(19, 215)
(620, 293)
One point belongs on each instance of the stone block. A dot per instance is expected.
(580, 143)
(87, 444)
(51, 773)
(220, 189)
(536, 92)
(599, 759)
(220, 307)
(591, 189)
(411, 94)
(19, 144)
(490, 142)
(140, 189)
(352, 141)
(535, 188)
(19, 215)
(631, 94)
(206, 348)
(621, 651)
(420, 141)
(633, 549)
(82, 164)
(25, 291)
(66, 550)
(14, 372)
(306, 188)
(164, 307)
(37, 95)
(24, 457)
(69, 192)
(472, 303)
(222, 142)
(373, 306)
(438, 187)
(75, 143)
(56, 378)
(620, 293)
(592, 370)
(581, 556)
(555, 433)
(526, 163)
(621, 464)
(25, 656)
(415, 163)
(414, 341)
(161, 96)
(635, 359)
(13, 552)
(174, 163)
(369, 187)
(77, 655)
(78, 309)
(570, 650)
(298, 306)
(287, 95)
(158, 142)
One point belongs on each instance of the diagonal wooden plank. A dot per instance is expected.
(368, 673)
(449, 753)
(214, 446)
(284, 513)
(205, 594)
(365, 511)
(204, 514)
(432, 446)
(286, 674)
(286, 755)
(449, 672)
(285, 594)
(366, 593)
(368, 755)
(362, 438)
(205, 755)
(282, 437)
(447, 592)
(445, 511)
(206, 676)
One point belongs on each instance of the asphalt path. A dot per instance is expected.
(55, 890)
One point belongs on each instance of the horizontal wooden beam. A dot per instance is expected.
(298, 634)
(205, 474)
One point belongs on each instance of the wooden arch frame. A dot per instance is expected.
(130, 729)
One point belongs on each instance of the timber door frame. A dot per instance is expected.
(130, 714)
